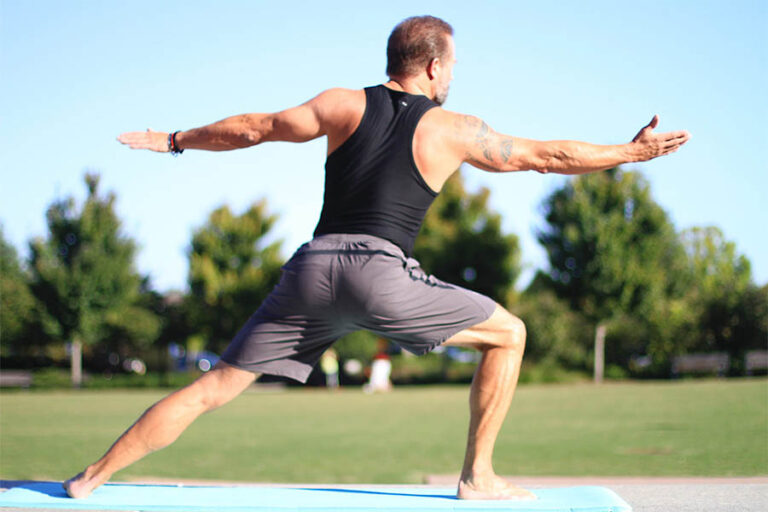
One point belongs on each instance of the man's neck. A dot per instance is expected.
(411, 85)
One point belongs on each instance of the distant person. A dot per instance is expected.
(329, 364)
(391, 148)
(381, 369)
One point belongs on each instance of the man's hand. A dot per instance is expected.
(151, 140)
(647, 145)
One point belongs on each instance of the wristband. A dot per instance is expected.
(173, 148)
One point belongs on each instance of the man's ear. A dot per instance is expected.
(433, 67)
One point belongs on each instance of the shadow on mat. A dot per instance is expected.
(382, 493)
(52, 489)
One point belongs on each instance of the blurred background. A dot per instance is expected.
(143, 266)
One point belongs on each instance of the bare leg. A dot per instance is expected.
(501, 339)
(161, 424)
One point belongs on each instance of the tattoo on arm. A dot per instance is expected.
(486, 142)
(505, 148)
(482, 139)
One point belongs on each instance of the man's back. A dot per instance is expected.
(340, 111)
(372, 184)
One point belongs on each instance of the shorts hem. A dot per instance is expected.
(281, 368)
(486, 315)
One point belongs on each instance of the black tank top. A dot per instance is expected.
(372, 185)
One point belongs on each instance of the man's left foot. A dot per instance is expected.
(491, 488)
(80, 486)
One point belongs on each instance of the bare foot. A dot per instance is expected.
(491, 488)
(81, 486)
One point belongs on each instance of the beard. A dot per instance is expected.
(442, 94)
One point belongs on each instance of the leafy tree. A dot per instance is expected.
(718, 271)
(136, 330)
(231, 271)
(17, 304)
(730, 310)
(171, 307)
(557, 335)
(83, 274)
(461, 242)
(614, 254)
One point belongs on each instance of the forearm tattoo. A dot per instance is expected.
(505, 148)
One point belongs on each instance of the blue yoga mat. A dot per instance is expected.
(294, 499)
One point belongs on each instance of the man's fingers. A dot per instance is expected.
(150, 139)
(133, 135)
(675, 143)
(654, 122)
(126, 138)
(679, 136)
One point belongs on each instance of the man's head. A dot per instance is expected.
(422, 44)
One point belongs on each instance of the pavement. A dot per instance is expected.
(645, 494)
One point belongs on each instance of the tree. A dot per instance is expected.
(231, 271)
(17, 304)
(461, 242)
(84, 276)
(717, 270)
(557, 335)
(614, 254)
(730, 310)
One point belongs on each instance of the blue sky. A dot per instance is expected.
(75, 74)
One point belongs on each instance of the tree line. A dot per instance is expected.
(617, 268)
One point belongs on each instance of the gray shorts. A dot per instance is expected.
(338, 284)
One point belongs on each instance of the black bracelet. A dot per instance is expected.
(173, 148)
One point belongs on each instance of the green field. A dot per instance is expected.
(717, 428)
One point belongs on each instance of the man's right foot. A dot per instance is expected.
(81, 486)
(491, 488)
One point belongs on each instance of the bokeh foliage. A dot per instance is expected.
(616, 259)
(231, 270)
(461, 242)
(17, 304)
(83, 275)
(731, 312)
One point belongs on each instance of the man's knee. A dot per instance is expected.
(513, 333)
(221, 385)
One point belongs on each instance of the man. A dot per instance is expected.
(390, 150)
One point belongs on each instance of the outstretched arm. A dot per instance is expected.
(496, 152)
(298, 124)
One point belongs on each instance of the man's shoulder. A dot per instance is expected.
(340, 94)
(339, 98)
(339, 111)
(442, 122)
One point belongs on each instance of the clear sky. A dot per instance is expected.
(75, 74)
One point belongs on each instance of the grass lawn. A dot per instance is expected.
(709, 427)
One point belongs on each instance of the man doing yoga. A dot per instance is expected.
(390, 150)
